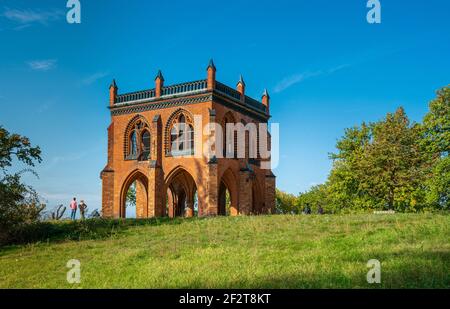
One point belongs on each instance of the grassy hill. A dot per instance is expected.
(280, 251)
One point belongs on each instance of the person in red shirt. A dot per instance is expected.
(73, 206)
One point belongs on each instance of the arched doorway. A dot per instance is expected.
(134, 196)
(224, 200)
(228, 195)
(181, 193)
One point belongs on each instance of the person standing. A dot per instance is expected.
(320, 210)
(82, 206)
(307, 210)
(73, 206)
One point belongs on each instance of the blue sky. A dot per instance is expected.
(325, 67)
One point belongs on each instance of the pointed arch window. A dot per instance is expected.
(137, 141)
(145, 138)
(181, 137)
(133, 145)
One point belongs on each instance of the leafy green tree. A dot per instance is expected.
(436, 131)
(392, 167)
(131, 196)
(19, 203)
(437, 124)
(315, 197)
(285, 203)
(438, 194)
(380, 166)
(390, 164)
(345, 187)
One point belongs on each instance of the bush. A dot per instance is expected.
(19, 203)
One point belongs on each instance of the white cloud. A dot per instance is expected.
(94, 77)
(67, 158)
(300, 77)
(42, 65)
(46, 106)
(29, 16)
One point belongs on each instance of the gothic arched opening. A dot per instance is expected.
(181, 193)
(133, 201)
(228, 195)
(224, 200)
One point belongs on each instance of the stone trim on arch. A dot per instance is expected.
(180, 186)
(169, 177)
(169, 124)
(142, 180)
(138, 119)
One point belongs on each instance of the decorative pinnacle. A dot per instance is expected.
(211, 64)
(241, 80)
(266, 93)
(159, 75)
(113, 84)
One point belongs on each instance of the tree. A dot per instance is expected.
(380, 166)
(285, 203)
(438, 194)
(131, 196)
(436, 141)
(315, 197)
(345, 187)
(19, 203)
(390, 164)
(436, 124)
(392, 167)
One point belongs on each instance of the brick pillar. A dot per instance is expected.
(141, 200)
(212, 198)
(266, 101)
(270, 193)
(171, 206)
(159, 84)
(113, 92)
(240, 87)
(189, 209)
(107, 177)
(212, 186)
(156, 194)
(245, 192)
(211, 78)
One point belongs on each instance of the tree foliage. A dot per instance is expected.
(380, 165)
(131, 196)
(19, 203)
(285, 203)
(436, 131)
(390, 164)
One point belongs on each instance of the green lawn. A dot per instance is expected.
(279, 251)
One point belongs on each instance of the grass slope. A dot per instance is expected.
(279, 251)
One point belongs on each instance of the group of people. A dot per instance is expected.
(307, 210)
(74, 206)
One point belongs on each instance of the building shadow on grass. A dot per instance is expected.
(399, 269)
(56, 231)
